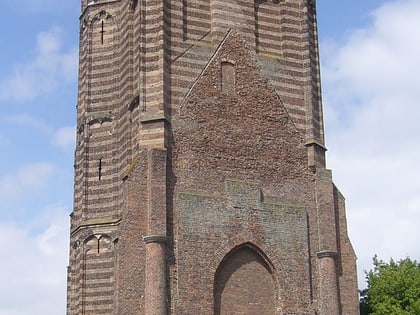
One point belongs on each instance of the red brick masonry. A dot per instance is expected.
(200, 177)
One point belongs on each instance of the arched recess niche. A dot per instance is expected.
(104, 69)
(244, 283)
(228, 77)
(97, 274)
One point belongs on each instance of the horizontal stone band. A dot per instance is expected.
(326, 253)
(155, 239)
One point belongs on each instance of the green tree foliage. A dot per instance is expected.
(393, 289)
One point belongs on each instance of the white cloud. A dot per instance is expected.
(65, 138)
(372, 102)
(50, 67)
(26, 120)
(28, 181)
(34, 258)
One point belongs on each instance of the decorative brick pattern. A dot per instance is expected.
(200, 180)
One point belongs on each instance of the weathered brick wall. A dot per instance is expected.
(209, 227)
(346, 262)
(245, 135)
(130, 290)
(235, 281)
(282, 32)
(199, 168)
(97, 198)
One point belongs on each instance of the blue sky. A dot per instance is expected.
(370, 67)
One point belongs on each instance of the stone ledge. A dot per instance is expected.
(327, 253)
(96, 223)
(149, 239)
(311, 142)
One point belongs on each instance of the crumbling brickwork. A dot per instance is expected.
(200, 177)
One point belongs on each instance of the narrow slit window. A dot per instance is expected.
(102, 31)
(100, 169)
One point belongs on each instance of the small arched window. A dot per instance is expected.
(102, 30)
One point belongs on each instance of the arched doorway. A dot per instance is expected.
(244, 283)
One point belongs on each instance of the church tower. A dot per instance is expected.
(200, 177)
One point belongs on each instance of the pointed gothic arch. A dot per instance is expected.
(91, 244)
(102, 28)
(245, 278)
(98, 249)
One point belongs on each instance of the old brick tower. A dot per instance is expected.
(200, 178)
